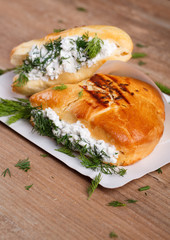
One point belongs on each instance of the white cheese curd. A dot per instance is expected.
(78, 132)
(70, 59)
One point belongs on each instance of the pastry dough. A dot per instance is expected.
(122, 111)
(119, 37)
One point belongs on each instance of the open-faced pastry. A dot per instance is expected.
(67, 57)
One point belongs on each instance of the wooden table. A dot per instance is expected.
(56, 207)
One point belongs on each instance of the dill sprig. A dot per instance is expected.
(42, 124)
(138, 55)
(5, 172)
(163, 88)
(95, 162)
(44, 155)
(144, 188)
(19, 109)
(61, 87)
(113, 235)
(131, 200)
(93, 47)
(58, 30)
(65, 150)
(95, 182)
(80, 94)
(159, 170)
(140, 45)
(2, 71)
(28, 187)
(116, 204)
(22, 78)
(81, 9)
(90, 48)
(23, 164)
(141, 63)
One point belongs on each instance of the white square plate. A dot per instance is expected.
(158, 158)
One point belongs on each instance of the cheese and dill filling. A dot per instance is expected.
(77, 133)
(48, 61)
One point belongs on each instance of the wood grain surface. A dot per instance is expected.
(56, 207)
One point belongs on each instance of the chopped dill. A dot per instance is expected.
(61, 87)
(5, 172)
(23, 164)
(81, 9)
(95, 182)
(131, 200)
(58, 30)
(116, 204)
(138, 55)
(65, 150)
(19, 108)
(28, 187)
(44, 155)
(159, 170)
(163, 88)
(144, 188)
(80, 94)
(113, 235)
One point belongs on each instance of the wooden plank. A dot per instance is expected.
(56, 207)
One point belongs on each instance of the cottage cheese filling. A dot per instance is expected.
(77, 132)
(69, 60)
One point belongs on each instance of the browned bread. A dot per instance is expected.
(122, 111)
(114, 35)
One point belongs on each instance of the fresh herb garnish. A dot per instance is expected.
(140, 63)
(43, 125)
(58, 30)
(81, 9)
(65, 150)
(19, 108)
(21, 80)
(5, 172)
(80, 94)
(53, 48)
(90, 158)
(140, 45)
(144, 188)
(163, 88)
(131, 200)
(113, 235)
(95, 182)
(94, 162)
(2, 71)
(60, 60)
(138, 55)
(159, 170)
(28, 187)
(93, 47)
(116, 204)
(44, 155)
(90, 48)
(61, 87)
(23, 164)
(85, 36)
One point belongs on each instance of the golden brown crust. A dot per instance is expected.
(122, 111)
(113, 34)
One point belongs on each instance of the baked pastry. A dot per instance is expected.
(67, 57)
(125, 113)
